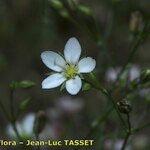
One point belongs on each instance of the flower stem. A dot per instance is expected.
(12, 105)
(128, 133)
(37, 139)
(9, 118)
(119, 114)
(16, 131)
(108, 95)
(4, 110)
(98, 121)
(12, 114)
(141, 127)
(125, 141)
(133, 50)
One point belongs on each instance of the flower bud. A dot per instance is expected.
(145, 76)
(85, 10)
(136, 22)
(124, 107)
(39, 122)
(64, 13)
(57, 4)
(72, 4)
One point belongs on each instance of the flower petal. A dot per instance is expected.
(28, 123)
(72, 50)
(86, 65)
(73, 86)
(53, 81)
(53, 60)
(10, 131)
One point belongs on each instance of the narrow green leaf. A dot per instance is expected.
(22, 84)
(85, 10)
(26, 84)
(24, 104)
(62, 87)
(86, 87)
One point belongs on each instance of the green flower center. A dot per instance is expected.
(70, 71)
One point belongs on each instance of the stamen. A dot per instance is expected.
(71, 71)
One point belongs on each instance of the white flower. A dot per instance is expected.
(52, 131)
(25, 128)
(134, 72)
(144, 92)
(111, 74)
(68, 69)
(115, 144)
(69, 104)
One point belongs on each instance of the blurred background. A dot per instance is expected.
(106, 30)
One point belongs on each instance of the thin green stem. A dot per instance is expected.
(12, 105)
(16, 131)
(4, 110)
(98, 121)
(119, 114)
(37, 139)
(9, 118)
(141, 127)
(13, 118)
(133, 50)
(128, 133)
(129, 123)
(108, 95)
(125, 141)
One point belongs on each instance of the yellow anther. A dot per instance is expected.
(71, 71)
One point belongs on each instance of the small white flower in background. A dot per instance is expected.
(67, 68)
(70, 105)
(134, 72)
(25, 128)
(51, 131)
(54, 113)
(144, 92)
(112, 73)
(140, 142)
(115, 144)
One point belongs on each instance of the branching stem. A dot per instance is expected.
(108, 95)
